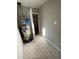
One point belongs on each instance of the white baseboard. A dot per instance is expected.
(54, 45)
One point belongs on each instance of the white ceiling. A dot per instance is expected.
(32, 3)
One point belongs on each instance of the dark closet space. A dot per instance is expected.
(36, 26)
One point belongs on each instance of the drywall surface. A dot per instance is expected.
(19, 46)
(50, 19)
(32, 3)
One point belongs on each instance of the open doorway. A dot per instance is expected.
(36, 26)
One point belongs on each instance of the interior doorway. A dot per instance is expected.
(36, 26)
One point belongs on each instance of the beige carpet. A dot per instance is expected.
(40, 48)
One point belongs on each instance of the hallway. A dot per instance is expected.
(40, 48)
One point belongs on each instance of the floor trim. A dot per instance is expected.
(54, 45)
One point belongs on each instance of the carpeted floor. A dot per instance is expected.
(40, 48)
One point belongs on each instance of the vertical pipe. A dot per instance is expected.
(32, 23)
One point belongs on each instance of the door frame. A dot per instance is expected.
(38, 20)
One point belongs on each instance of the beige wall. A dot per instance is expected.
(19, 46)
(49, 13)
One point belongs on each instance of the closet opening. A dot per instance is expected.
(36, 26)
